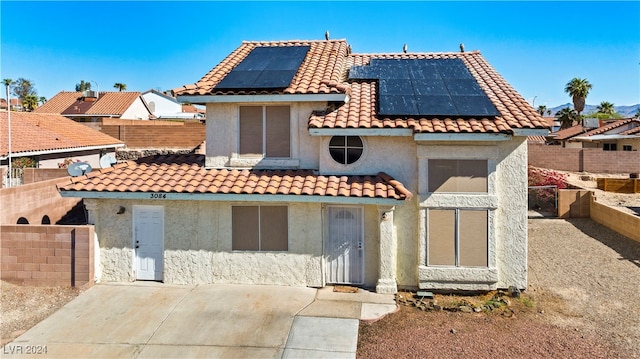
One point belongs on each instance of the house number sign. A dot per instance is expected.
(158, 195)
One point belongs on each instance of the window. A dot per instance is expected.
(457, 176)
(610, 146)
(627, 148)
(265, 131)
(260, 228)
(458, 237)
(345, 149)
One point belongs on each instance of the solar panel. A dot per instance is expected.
(266, 67)
(426, 87)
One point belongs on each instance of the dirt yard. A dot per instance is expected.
(582, 302)
(627, 202)
(22, 307)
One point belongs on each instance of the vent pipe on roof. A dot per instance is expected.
(405, 48)
(461, 47)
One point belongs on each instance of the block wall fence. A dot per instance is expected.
(593, 160)
(47, 255)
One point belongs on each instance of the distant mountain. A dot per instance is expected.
(625, 111)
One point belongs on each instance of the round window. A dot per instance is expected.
(345, 149)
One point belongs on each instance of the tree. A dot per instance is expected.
(42, 100)
(23, 88)
(83, 86)
(606, 108)
(567, 116)
(578, 89)
(542, 109)
(120, 86)
(30, 102)
(7, 87)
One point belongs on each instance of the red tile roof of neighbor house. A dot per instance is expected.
(73, 103)
(611, 126)
(187, 174)
(47, 132)
(567, 133)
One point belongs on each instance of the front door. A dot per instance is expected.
(148, 241)
(344, 248)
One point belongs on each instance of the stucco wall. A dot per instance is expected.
(222, 143)
(137, 111)
(507, 215)
(163, 106)
(198, 246)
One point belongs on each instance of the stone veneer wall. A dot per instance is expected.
(47, 255)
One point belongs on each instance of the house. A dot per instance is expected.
(16, 105)
(164, 106)
(92, 106)
(322, 166)
(619, 135)
(51, 141)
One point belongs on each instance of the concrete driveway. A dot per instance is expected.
(153, 320)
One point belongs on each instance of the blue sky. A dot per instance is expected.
(536, 46)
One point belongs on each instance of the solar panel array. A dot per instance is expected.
(266, 67)
(425, 87)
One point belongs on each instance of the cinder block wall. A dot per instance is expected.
(573, 203)
(32, 175)
(186, 135)
(34, 201)
(593, 160)
(47, 255)
(624, 223)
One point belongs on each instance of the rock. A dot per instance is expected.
(514, 292)
(452, 331)
(465, 309)
(477, 309)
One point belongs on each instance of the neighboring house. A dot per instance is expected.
(92, 106)
(164, 106)
(16, 105)
(50, 140)
(396, 170)
(620, 135)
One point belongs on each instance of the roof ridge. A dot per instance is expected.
(473, 52)
(288, 41)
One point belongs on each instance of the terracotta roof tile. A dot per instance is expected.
(360, 111)
(107, 103)
(611, 126)
(567, 133)
(46, 132)
(321, 71)
(187, 174)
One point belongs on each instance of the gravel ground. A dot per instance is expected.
(22, 307)
(583, 284)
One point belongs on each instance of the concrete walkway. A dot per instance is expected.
(153, 320)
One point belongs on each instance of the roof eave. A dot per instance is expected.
(204, 99)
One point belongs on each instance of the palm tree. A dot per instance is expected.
(542, 109)
(606, 108)
(566, 116)
(120, 86)
(578, 89)
(30, 102)
(42, 100)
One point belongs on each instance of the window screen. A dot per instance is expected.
(260, 228)
(265, 131)
(457, 176)
(457, 237)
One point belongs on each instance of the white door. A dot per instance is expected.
(148, 241)
(345, 246)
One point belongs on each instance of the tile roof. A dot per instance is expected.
(360, 111)
(46, 132)
(567, 133)
(536, 139)
(321, 72)
(187, 174)
(72, 103)
(325, 70)
(611, 126)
